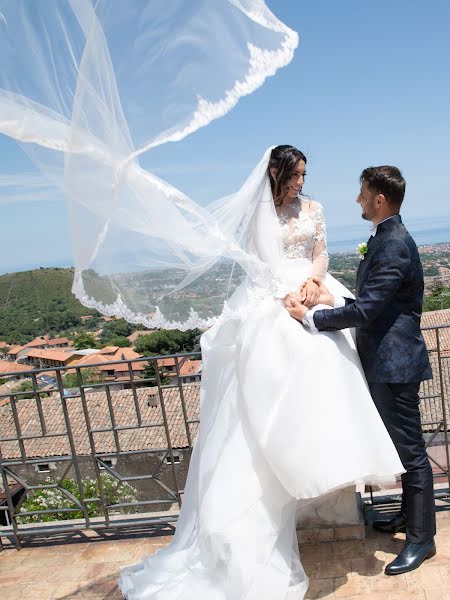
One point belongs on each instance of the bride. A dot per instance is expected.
(270, 391)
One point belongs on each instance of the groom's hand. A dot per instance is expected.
(294, 306)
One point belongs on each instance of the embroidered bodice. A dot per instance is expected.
(304, 236)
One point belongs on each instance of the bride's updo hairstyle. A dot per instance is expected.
(284, 159)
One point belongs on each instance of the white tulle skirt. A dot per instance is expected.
(285, 415)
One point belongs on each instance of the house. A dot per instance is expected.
(190, 371)
(50, 358)
(17, 370)
(104, 360)
(140, 447)
(14, 351)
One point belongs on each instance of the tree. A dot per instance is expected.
(439, 298)
(149, 372)
(54, 498)
(89, 375)
(118, 340)
(84, 340)
(26, 386)
(168, 342)
(118, 327)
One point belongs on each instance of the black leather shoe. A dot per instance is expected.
(394, 525)
(411, 557)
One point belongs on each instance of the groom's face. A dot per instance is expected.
(367, 200)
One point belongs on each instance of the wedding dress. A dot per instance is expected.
(285, 414)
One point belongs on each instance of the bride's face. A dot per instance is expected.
(296, 181)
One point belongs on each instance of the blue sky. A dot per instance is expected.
(369, 84)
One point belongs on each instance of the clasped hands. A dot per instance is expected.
(312, 292)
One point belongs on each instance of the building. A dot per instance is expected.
(43, 359)
(135, 452)
(7, 366)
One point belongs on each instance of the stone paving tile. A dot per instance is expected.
(346, 570)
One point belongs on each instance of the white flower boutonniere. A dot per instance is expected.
(361, 250)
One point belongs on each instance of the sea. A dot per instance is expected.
(345, 238)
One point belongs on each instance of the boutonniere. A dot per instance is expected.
(361, 250)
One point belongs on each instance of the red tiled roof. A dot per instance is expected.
(58, 341)
(15, 349)
(166, 362)
(58, 355)
(109, 350)
(190, 367)
(7, 366)
(97, 405)
(37, 342)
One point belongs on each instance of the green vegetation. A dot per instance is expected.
(38, 302)
(84, 340)
(90, 375)
(26, 386)
(119, 328)
(34, 303)
(168, 342)
(438, 299)
(55, 497)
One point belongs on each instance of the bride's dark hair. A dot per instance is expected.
(284, 159)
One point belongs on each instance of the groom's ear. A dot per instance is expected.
(380, 199)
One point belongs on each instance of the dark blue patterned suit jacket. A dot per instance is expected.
(387, 309)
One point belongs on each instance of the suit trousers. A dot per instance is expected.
(398, 405)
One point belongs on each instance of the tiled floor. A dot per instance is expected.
(87, 567)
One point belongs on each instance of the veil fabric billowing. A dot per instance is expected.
(95, 86)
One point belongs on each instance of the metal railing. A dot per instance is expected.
(115, 453)
(77, 435)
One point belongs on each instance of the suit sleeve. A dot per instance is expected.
(390, 267)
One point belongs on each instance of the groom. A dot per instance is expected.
(386, 315)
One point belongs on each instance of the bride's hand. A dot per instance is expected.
(310, 292)
(291, 299)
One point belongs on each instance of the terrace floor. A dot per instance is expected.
(87, 565)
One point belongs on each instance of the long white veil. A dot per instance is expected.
(87, 88)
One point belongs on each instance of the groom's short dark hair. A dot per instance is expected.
(385, 180)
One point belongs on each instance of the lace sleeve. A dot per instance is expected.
(320, 252)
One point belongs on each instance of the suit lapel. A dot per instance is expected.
(362, 267)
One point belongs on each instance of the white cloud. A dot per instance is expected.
(27, 187)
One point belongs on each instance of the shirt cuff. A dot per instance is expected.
(308, 320)
(339, 302)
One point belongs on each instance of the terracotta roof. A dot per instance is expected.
(190, 367)
(15, 349)
(58, 355)
(107, 359)
(431, 408)
(8, 366)
(167, 362)
(143, 438)
(37, 342)
(431, 319)
(91, 359)
(58, 341)
(4, 345)
(109, 350)
(128, 354)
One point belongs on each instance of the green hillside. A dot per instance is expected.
(37, 302)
